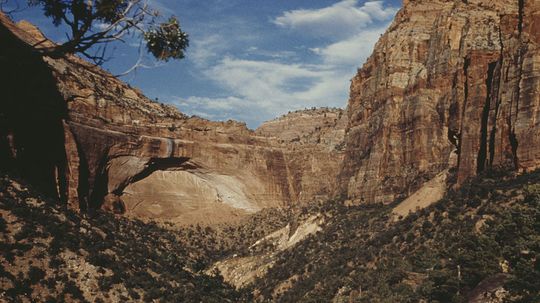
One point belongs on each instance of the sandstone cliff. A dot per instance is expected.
(91, 140)
(451, 84)
(313, 143)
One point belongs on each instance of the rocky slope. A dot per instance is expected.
(450, 85)
(478, 244)
(242, 270)
(93, 141)
(53, 254)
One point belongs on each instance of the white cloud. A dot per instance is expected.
(341, 19)
(253, 50)
(353, 50)
(226, 104)
(263, 90)
(206, 49)
(253, 79)
(213, 41)
(264, 84)
(275, 87)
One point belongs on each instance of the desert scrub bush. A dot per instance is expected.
(432, 247)
(35, 274)
(3, 224)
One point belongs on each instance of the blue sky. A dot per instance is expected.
(253, 60)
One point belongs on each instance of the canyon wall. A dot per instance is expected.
(313, 144)
(450, 85)
(94, 142)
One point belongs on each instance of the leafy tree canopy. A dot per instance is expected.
(92, 24)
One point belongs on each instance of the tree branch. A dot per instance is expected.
(138, 64)
(120, 18)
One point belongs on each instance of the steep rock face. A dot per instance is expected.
(96, 142)
(313, 142)
(451, 84)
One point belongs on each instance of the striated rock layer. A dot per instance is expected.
(91, 140)
(313, 144)
(451, 84)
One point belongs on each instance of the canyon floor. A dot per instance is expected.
(476, 244)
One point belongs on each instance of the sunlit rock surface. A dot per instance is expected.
(111, 147)
(448, 79)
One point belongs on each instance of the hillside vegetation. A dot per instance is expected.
(478, 244)
(481, 242)
(51, 254)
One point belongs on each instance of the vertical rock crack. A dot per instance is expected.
(483, 151)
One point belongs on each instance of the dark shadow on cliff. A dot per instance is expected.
(31, 113)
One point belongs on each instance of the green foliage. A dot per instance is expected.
(523, 249)
(93, 23)
(123, 253)
(35, 274)
(439, 254)
(167, 41)
(3, 224)
(488, 228)
(103, 10)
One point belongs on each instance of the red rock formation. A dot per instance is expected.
(312, 141)
(450, 85)
(114, 148)
(448, 78)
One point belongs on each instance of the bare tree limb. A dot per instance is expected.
(138, 64)
(117, 20)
